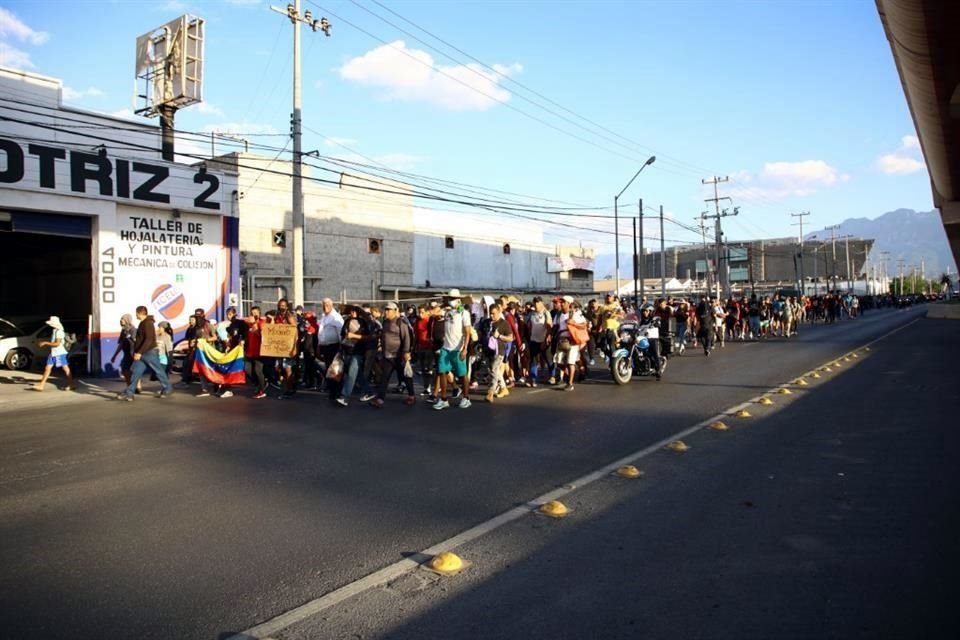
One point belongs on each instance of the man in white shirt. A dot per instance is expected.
(452, 357)
(329, 325)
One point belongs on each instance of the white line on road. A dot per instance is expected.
(391, 572)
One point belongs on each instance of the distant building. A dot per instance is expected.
(767, 263)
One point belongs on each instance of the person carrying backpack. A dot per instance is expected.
(58, 355)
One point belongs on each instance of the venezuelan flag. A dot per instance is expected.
(219, 368)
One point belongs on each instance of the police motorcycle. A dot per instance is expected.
(638, 352)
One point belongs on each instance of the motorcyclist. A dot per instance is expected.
(647, 320)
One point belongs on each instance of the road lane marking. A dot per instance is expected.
(265, 630)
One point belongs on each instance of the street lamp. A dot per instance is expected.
(616, 221)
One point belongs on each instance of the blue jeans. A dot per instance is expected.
(151, 360)
(354, 367)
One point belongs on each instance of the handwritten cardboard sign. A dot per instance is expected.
(278, 340)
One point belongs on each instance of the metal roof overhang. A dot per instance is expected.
(924, 37)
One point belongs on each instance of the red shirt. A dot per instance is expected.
(424, 339)
(252, 345)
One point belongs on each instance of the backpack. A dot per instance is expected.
(69, 339)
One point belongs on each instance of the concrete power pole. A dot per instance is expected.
(663, 260)
(292, 11)
(801, 216)
(721, 274)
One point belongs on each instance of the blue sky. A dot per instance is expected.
(798, 102)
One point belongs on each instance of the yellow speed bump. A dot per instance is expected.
(815, 375)
(837, 364)
(718, 425)
(784, 391)
(629, 471)
(847, 359)
(854, 355)
(679, 446)
(800, 382)
(765, 401)
(866, 348)
(554, 509)
(447, 563)
(826, 369)
(742, 413)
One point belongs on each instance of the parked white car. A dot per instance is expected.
(19, 339)
(18, 343)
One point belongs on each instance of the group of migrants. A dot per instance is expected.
(449, 348)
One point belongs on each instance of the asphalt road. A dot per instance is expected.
(195, 518)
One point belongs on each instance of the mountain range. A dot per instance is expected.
(911, 236)
(908, 235)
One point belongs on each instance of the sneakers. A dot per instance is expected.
(164, 394)
(426, 393)
(410, 401)
(465, 403)
(342, 401)
(259, 395)
(569, 387)
(490, 395)
(367, 397)
(503, 393)
(227, 394)
(474, 385)
(553, 380)
(457, 392)
(377, 403)
(203, 394)
(124, 397)
(440, 405)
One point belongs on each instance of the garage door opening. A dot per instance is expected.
(46, 265)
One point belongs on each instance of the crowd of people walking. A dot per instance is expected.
(452, 348)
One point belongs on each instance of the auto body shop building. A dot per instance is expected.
(94, 223)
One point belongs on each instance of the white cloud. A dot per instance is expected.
(906, 159)
(73, 95)
(238, 128)
(11, 25)
(779, 180)
(410, 75)
(894, 164)
(209, 109)
(14, 58)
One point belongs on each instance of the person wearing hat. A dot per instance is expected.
(58, 355)
(452, 357)
(396, 347)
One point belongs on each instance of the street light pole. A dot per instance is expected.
(616, 216)
(292, 11)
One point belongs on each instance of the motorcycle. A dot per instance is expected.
(635, 355)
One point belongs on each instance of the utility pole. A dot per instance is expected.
(846, 251)
(884, 259)
(833, 259)
(801, 216)
(900, 265)
(641, 261)
(292, 11)
(663, 260)
(636, 262)
(706, 254)
(715, 181)
(923, 274)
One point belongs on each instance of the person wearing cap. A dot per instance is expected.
(58, 355)
(452, 357)
(396, 346)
